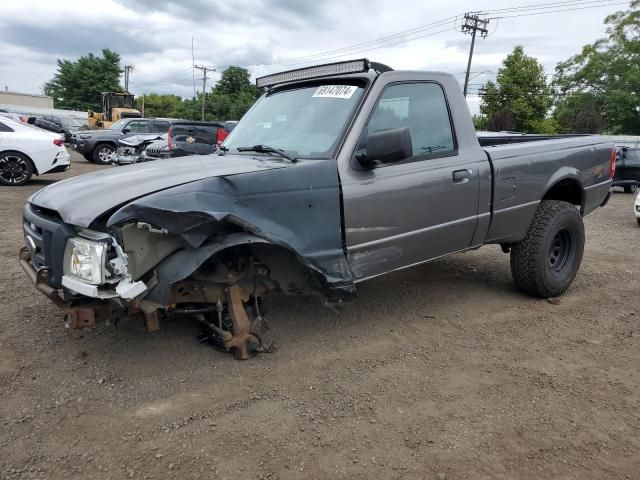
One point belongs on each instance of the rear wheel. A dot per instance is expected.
(15, 169)
(546, 261)
(103, 154)
(630, 188)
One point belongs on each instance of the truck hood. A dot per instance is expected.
(82, 199)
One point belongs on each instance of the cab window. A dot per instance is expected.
(422, 108)
(138, 127)
(160, 126)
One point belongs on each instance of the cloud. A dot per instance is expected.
(77, 39)
(212, 12)
(155, 36)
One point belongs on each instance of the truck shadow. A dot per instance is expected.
(397, 299)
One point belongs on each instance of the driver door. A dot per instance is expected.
(426, 206)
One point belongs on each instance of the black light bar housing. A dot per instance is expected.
(319, 71)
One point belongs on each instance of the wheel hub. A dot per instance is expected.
(560, 251)
(13, 169)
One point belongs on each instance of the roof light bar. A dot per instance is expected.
(319, 71)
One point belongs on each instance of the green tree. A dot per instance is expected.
(579, 112)
(480, 122)
(79, 84)
(232, 96)
(605, 77)
(157, 105)
(520, 98)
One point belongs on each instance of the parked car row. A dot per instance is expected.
(26, 150)
(627, 169)
(182, 138)
(65, 125)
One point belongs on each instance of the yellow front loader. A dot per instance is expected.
(115, 106)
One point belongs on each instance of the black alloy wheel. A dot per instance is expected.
(15, 169)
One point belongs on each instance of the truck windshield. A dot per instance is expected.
(305, 122)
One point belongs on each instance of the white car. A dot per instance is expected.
(27, 150)
(636, 208)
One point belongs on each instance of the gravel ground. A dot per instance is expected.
(441, 371)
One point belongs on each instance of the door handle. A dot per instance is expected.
(462, 176)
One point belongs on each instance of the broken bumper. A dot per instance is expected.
(75, 316)
(40, 278)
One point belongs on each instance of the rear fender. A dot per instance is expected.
(563, 174)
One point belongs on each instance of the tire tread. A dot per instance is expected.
(528, 256)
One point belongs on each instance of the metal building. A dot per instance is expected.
(25, 99)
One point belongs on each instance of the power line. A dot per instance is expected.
(167, 79)
(546, 12)
(538, 6)
(384, 39)
(401, 37)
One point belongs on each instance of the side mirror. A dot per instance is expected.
(126, 130)
(385, 146)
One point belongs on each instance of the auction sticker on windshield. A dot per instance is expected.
(335, 91)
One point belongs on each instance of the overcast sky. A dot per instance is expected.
(156, 36)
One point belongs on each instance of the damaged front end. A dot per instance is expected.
(208, 250)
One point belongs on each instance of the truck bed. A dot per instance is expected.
(521, 166)
(490, 139)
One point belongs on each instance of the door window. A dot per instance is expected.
(633, 157)
(160, 126)
(138, 127)
(422, 108)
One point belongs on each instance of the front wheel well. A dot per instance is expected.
(567, 190)
(102, 143)
(283, 266)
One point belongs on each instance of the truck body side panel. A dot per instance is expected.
(296, 207)
(525, 172)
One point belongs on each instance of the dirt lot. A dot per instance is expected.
(442, 371)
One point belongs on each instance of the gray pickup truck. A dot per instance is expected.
(338, 174)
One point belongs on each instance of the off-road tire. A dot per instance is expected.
(546, 261)
(100, 154)
(630, 188)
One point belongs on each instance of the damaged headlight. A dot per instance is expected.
(85, 260)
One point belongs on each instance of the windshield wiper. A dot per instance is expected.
(268, 149)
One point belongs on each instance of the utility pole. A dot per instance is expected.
(472, 25)
(127, 69)
(204, 69)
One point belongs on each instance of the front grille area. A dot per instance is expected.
(157, 150)
(45, 237)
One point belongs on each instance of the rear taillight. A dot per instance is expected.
(169, 143)
(222, 134)
(58, 142)
(612, 163)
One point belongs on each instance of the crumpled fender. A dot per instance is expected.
(183, 263)
(297, 208)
